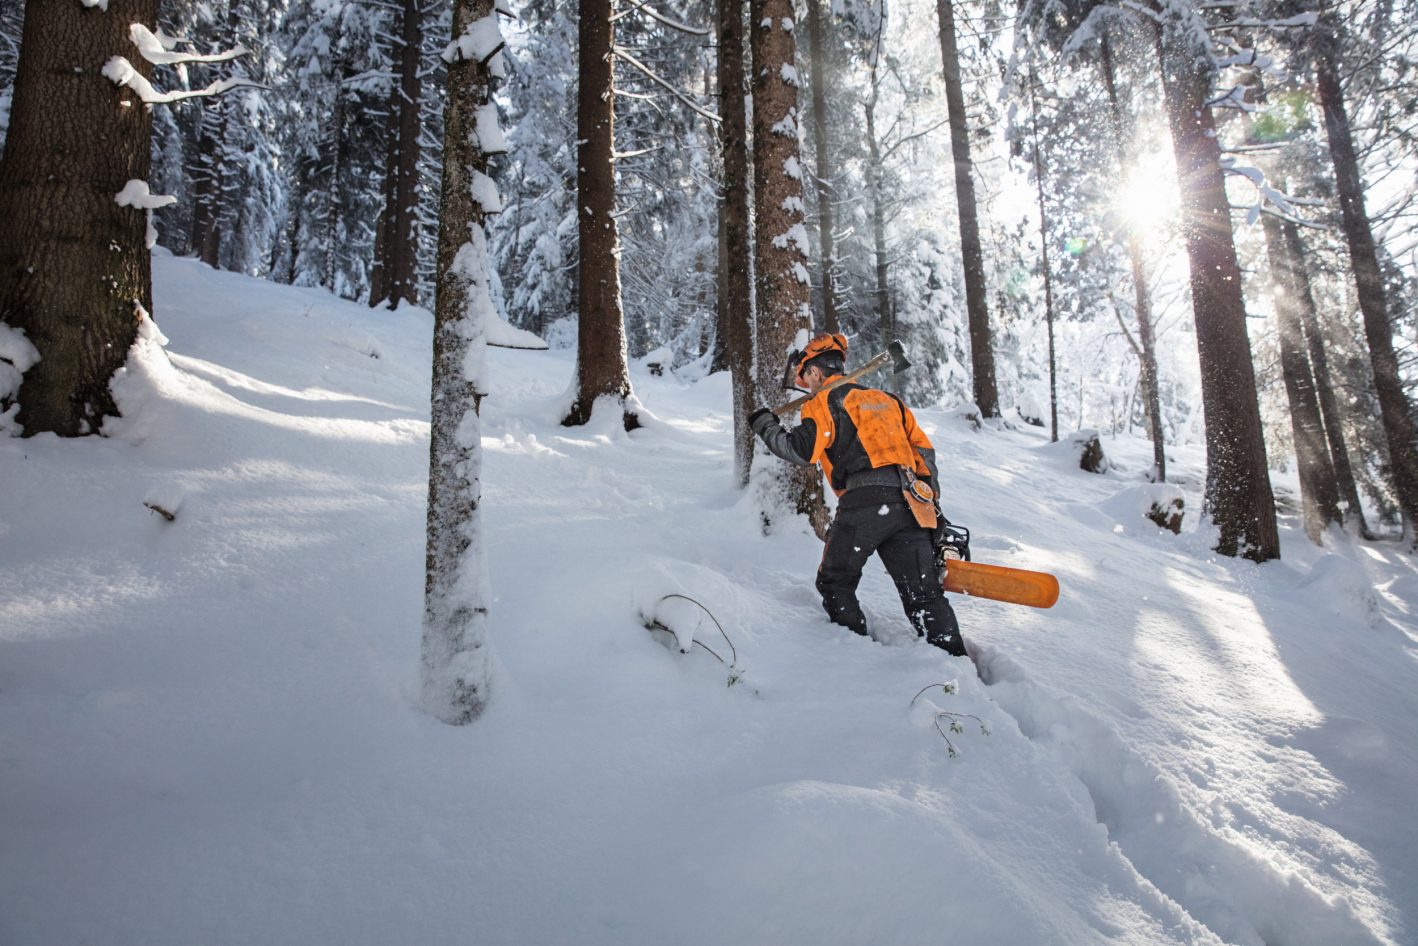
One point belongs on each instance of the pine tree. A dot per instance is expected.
(456, 597)
(601, 369)
(74, 264)
(780, 239)
(982, 356)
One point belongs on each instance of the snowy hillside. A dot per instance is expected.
(208, 729)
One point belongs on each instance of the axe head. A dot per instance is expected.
(899, 362)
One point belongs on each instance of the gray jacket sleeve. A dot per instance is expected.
(794, 445)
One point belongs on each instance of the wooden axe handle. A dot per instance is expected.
(876, 364)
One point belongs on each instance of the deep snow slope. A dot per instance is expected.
(208, 730)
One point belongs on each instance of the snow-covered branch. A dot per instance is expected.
(643, 5)
(158, 49)
(698, 109)
(121, 72)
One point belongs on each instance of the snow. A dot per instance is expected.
(490, 137)
(121, 72)
(136, 194)
(485, 192)
(796, 236)
(158, 49)
(211, 732)
(17, 355)
(101, 4)
(789, 74)
(479, 41)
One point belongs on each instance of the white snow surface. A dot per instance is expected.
(210, 735)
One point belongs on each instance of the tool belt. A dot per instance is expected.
(917, 492)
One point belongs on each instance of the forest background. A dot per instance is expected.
(1194, 220)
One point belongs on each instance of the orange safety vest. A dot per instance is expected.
(860, 429)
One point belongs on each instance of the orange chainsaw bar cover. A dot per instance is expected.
(998, 583)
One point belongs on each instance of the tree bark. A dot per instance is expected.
(875, 189)
(75, 271)
(336, 147)
(1394, 404)
(1238, 497)
(1318, 489)
(206, 182)
(780, 239)
(601, 368)
(397, 234)
(1324, 387)
(982, 356)
(824, 176)
(455, 645)
(735, 303)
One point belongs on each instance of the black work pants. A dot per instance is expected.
(891, 531)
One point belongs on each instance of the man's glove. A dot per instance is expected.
(763, 420)
(950, 541)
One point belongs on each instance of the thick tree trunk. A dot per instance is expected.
(982, 355)
(735, 305)
(75, 271)
(1141, 287)
(1238, 498)
(398, 262)
(780, 239)
(1319, 491)
(601, 368)
(1394, 405)
(1324, 386)
(815, 33)
(456, 596)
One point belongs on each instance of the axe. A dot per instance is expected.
(895, 355)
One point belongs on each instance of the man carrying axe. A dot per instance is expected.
(883, 469)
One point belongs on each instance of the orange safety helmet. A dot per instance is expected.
(799, 359)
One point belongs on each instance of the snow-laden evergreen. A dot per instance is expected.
(211, 725)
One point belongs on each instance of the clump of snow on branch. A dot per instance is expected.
(800, 271)
(488, 131)
(792, 168)
(794, 204)
(101, 4)
(485, 192)
(17, 355)
(121, 72)
(481, 42)
(788, 23)
(158, 49)
(135, 194)
(796, 235)
(789, 73)
(788, 127)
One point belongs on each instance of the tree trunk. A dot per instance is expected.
(1324, 386)
(75, 271)
(336, 148)
(601, 368)
(1141, 287)
(815, 33)
(982, 356)
(735, 300)
(456, 595)
(875, 189)
(206, 182)
(397, 235)
(780, 239)
(1394, 405)
(1318, 489)
(1238, 497)
(1048, 275)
